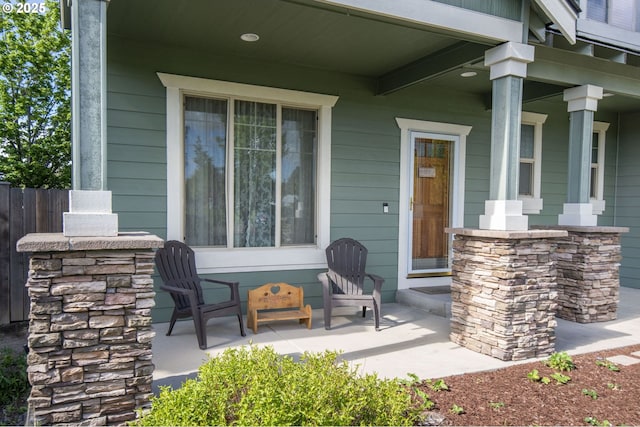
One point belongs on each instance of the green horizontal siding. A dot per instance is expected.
(628, 198)
(140, 137)
(365, 170)
(136, 147)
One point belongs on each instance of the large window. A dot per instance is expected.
(272, 165)
(531, 162)
(248, 174)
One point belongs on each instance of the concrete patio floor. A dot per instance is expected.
(411, 340)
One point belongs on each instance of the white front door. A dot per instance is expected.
(431, 199)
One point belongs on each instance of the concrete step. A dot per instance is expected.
(438, 304)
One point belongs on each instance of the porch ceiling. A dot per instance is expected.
(322, 36)
(305, 35)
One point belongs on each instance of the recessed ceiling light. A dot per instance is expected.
(469, 74)
(608, 94)
(250, 37)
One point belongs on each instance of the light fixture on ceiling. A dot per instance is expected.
(250, 37)
(469, 74)
(607, 94)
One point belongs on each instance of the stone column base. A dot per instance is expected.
(503, 292)
(588, 264)
(90, 333)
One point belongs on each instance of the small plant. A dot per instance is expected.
(613, 386)
(13, 376)
(561, 362)
(591, 393)
(534, 376)
(455, 409)
(594, 422)
(14, 387)
(608, 364)
(438, 385)
(496, 405)
(412, 384)
(560, 378)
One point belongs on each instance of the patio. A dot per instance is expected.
(411, 340)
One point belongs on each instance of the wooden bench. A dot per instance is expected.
(277, 301)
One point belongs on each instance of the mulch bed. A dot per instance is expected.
(507, 397)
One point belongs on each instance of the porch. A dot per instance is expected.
(413, 339)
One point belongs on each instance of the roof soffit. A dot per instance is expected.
(465, 22)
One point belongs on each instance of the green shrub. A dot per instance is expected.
(257, 386)
(13, 376)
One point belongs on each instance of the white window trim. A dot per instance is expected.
(457, 218)
(598, 202)
(533, 204)
(222, 260)
(604, 32)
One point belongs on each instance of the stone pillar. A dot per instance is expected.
(503, 292)
(508, 64)
(582, 103)
(588, 264)
(90, 331)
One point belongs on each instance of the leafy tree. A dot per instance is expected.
(35, 88)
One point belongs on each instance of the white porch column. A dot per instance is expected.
(89, 204)
(508, 64)
(582, 103)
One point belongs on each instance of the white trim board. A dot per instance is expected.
(460, 132)
(223, 260)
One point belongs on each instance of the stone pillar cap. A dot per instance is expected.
(57, 242)
(506, 234)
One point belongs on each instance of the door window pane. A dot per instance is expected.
(299, 138)
(432, 171)
(254, 174)
(205, 135)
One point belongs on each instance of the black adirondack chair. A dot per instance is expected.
(177, 267)
(344, 283)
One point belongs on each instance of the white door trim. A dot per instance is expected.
(460, 133)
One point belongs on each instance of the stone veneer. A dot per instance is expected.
(588, 264)
(90, 334)
(503, 292)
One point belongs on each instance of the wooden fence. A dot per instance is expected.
(22, 212)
